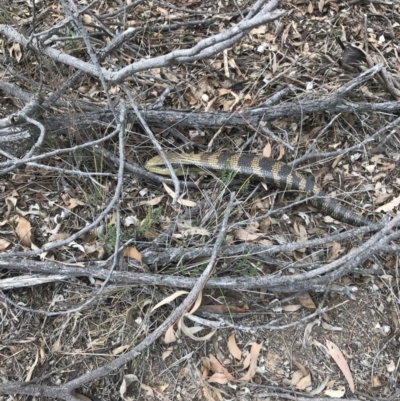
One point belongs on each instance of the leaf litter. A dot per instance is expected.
(109, 328)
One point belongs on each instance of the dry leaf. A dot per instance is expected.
(126, 382)
(340, 360)
(120, 349)
(42, 351)
(23, 231)
(244, 235)
(196, 231)
(291, 308)
(184, 202)
(73, 203)
(216, 367)
(95, 250)
(233, 348)
(308, 330)
(377, 158)
(307, 301)
(321, 387)
(169, 336)
(210, 394)
(171, 77)
(267, 151)
(296, 377)
(376, 382)
(388, 167)
(219, 378)
(389, 206)
(151, 202)
(254, 352)
(58, 237)
(329, 327)
(166, 353)
(197, 303)
(259, 30)
(31, 369)
(205, 367)
(133, 253)
(391, 367)
(113, 219)
(335, 251)
(56, 346)
(304, 383)
(281, 152)
(300, 366)
(11, 203)
(220, 309)
(336, 161)
(301, 234)
(272, 361)
(246, 362)
(15, 50)
(191, 331)
(339, 393)
(4, 244)
(149, 391)
(169, 299)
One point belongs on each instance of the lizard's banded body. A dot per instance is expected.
(270, 170)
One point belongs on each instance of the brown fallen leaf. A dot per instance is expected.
(219, 378)
(151, 202)
(296, 377)
(254, 352)
(303, 369)
(220, 309)
(184, 202)
(335, 251)
(11, 202)
(376, 383)
(196, 231)
(233, 348)
(281, 152)
(339, 393)
(95, 250)
(169, 336)
(167, 353)
(388, 167)
(169, 299)
(246, 362)
(291, 308)
(82, 397)
(245, 235)
(389, 206)
(301, 234)
(23, 231)
(32, 368)
(133, 253)
(73, 203)
(304, 383)
(58, 237)
(191, 331)
(340, 360)
(267, 151)
(307, 301)
(216, 367)
(4, 244)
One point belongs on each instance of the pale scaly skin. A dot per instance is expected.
(269, 170)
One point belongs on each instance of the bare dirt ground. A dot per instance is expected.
(271, 342)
